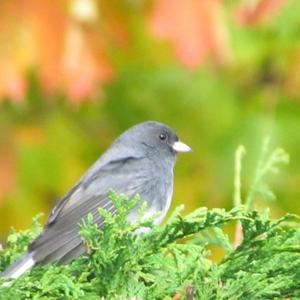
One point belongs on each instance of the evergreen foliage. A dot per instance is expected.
(173, 261)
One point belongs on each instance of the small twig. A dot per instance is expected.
(238, 236)
(237, 200)
(190, 290)
(258, 174)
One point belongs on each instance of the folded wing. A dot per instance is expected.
(60, 241)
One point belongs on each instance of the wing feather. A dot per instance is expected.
(60, 237)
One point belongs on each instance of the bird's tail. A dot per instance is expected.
(19, 267)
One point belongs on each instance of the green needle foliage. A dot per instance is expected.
(173, 260)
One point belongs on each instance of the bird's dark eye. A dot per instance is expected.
(162, 136)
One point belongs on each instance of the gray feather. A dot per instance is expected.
(20, 266)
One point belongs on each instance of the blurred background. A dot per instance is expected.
(76, 73)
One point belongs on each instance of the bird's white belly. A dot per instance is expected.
(164, 211)
(154, 210)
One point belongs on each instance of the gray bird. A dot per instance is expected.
(140, 161)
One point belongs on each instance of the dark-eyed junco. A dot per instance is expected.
(140, 161)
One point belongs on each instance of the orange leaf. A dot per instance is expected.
(82, 70)
(194, 28)
(258, 11)
(12, 81)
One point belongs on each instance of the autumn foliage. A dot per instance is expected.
(75, 74)
(69, 44)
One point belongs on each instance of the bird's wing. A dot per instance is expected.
(60, 236)
(80, 190)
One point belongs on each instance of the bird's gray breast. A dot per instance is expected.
(155, 186)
